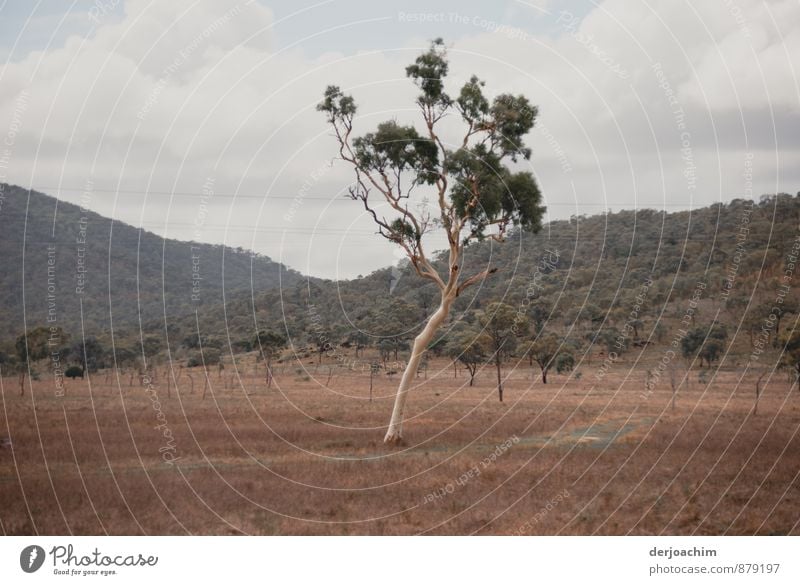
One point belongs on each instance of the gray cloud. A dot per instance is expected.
(164, 96)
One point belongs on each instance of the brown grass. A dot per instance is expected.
(301, 458)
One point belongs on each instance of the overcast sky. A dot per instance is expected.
(157, 105)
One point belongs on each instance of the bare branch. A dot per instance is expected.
(475, 278)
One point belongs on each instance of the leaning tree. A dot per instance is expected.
(478, 194)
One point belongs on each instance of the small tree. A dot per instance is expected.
(711, 351)
(359, 340)
(321, 345)
(500, 321)
(705, 343)
(35, 345)
(123, 357)
(692, 342)
(637, 325)
(394, 320)
(468, 346)
(565, 362)
(386, 348)
(544, 350)
(788, 305)
(270, 344)
(790, 341)
(88, 354)
(374, 368)
(537, 317)
(476, 194)
(5, 360)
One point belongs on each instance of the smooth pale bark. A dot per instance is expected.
(395, 433)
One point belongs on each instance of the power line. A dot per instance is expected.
(214, 195)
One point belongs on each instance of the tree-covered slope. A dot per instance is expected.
(578, 279)
(59, 259)
(575, 277)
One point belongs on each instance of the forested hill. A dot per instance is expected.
(574, 278)
(56, 255)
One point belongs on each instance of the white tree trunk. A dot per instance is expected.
(395, 433)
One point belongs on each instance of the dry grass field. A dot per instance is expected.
(575, 456)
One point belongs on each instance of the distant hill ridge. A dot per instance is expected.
(595, 270)
(58, 256)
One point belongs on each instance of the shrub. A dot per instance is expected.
(74, 372)
(565, 362)
(210, 356)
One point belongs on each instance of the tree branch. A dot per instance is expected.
(474, 278)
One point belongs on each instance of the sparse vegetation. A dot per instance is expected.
(329, 401)
(568, 436)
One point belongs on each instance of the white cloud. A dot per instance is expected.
(172, 93)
